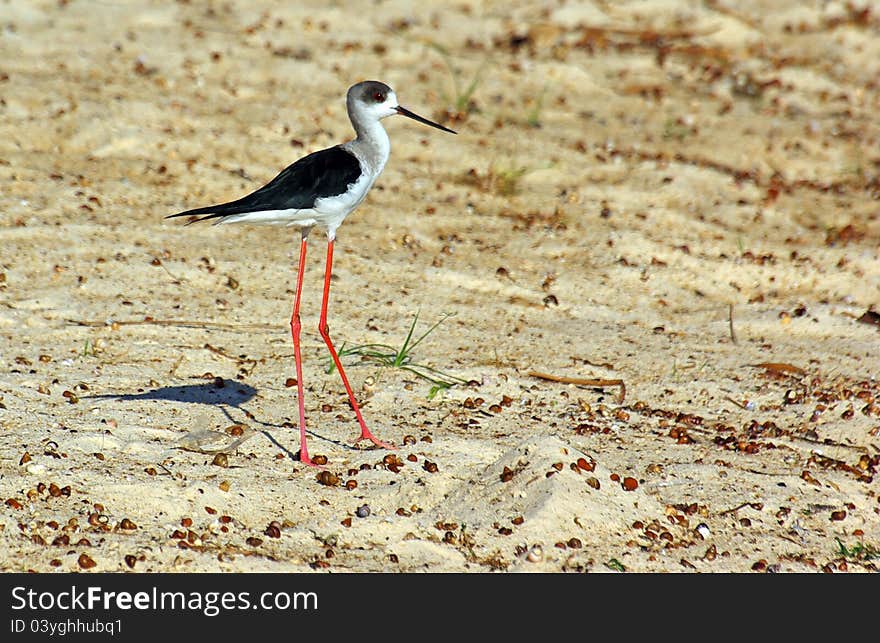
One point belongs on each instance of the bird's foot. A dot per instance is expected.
(366, 435)
(306, 460)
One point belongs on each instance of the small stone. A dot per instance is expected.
(235, 430)
(535, 555)
(220, 460)
(273, 530)
(363, 511)
(327, 478)
(85, 561)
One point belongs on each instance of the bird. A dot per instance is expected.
(321, 190)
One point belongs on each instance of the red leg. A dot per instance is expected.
(295, 328)
(325, 333)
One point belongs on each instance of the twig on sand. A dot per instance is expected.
(177, 363)
(757, 506)
(149, 321)
(212, 442)
(744, 406)
(580, 381)
(780, 368)
(237, 360)
(177, 280)
(730, 323)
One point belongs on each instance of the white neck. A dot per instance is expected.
(372, 144)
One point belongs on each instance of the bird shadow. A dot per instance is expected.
(220, 394)
(210, 394)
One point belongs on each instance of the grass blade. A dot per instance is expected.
(401, 358)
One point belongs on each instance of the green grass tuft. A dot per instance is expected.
(390, 357)
(534, 117)
(462, 101)
(859, 551)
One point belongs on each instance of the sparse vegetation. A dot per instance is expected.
(503, 180)
(390, 357)
(534, 117)
(673, 128)
(462, 101)
(90, 349)
(859, 552)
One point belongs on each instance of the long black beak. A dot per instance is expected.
(405, 112)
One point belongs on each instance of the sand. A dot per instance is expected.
(682, 196)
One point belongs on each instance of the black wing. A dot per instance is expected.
(323, 173)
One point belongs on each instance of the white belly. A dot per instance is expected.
(327, 212)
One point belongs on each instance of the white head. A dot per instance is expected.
(372, 100)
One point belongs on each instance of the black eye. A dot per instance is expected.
(379, 97)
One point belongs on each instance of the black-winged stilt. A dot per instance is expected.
(321, 189)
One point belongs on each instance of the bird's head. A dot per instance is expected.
(376, 100)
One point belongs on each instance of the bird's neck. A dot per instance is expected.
(372, 145)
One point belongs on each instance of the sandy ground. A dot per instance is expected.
(679, 195)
